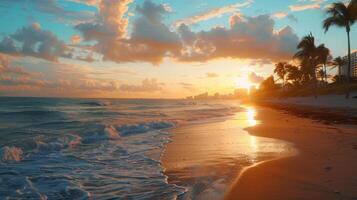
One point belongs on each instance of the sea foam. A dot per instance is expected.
(144, 127)
(8, 154)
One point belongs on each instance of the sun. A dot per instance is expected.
(244, 83)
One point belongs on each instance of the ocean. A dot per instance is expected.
(53, 148)
(79, 148)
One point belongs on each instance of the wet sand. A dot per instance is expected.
(325, 168)
(207, 157)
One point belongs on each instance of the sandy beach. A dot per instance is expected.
(206, 157)
(320, 163)
(335, 101)
(325, 167)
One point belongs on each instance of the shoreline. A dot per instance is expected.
(206, 158)
(330, 174)
(251, 167)
(332, 115)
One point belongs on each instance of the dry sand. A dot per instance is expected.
(325, 168)
(324, 101)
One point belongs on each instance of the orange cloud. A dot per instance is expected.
(151, 40)
(147, 85)
(75, 39)
(254, 78)
(212, 75)
(280, 15)
(212, 14)
(248, 37)
(314, 4)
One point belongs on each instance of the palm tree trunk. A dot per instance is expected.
(283, 83)
(315, 82)
(325, 73)
(349, 64)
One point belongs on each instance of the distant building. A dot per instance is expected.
(353, 71)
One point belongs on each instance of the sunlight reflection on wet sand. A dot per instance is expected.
(216, 151)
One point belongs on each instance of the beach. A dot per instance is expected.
(324, 168)
(171, 149)
(318, 162)
(205, 157)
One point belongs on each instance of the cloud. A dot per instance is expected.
(260, 62)
(312, 4)
(7, 69)
(33, 41)
(75, 39)
(147, 85)
(13, 76)
(22, 81)
(150, 40)
(304, 7)
(111, 23)
(280, 15)
(248, 37)
(188, 86)
(58, 77)
(212, 75)
(212, 13)
(254, 78)
(87, 2)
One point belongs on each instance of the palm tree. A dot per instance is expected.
(323, 54)
(338, 62)
(281, 71)
(294, 74)
(342, 15)
(321, 74)
(309, 56)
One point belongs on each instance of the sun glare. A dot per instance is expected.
(245, 83)
(251, 116)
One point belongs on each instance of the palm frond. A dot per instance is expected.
(338, 15)
(352, 11)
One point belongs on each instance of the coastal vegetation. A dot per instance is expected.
(307, 71)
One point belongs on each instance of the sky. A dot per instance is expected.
(152, 48)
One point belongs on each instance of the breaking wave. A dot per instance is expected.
(8, 154)
(98, 149)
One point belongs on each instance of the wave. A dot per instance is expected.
(56, 144)
(111, 132)
(144, 127)
(10, 154)
(32, 115)
(17, 186)
(94, 148)
(96, 103)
